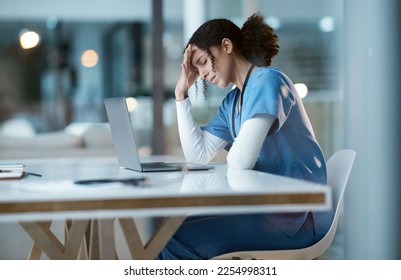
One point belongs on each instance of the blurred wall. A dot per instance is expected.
(372, 121)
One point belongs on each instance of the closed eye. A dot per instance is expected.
(201, 61)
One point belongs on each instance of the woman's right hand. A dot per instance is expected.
(189, 74)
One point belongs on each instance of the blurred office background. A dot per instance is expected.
(60, 59)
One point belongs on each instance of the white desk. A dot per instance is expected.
(92, 210)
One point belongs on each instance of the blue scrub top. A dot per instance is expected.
(290, 148)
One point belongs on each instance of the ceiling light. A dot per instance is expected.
(28, 39)
(302, 89)
(89, 58)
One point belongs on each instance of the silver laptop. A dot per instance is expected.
(125, 145)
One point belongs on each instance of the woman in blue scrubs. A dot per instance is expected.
(263, 124)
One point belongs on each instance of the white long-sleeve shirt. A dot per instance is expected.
(201, 146)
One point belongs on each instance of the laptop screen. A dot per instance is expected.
(122, 131)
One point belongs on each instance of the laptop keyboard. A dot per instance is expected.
(154, 164)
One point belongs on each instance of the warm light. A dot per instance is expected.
(28, 39)
(132, 104)
(89, 58)
(302, 89)
(145, 151)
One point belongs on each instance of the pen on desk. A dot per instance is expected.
(33, 174)
(128, 181)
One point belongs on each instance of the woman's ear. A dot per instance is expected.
(227, 45)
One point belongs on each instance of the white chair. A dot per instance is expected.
(339, 168)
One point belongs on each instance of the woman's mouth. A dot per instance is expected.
(212, 80)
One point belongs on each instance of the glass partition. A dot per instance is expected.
(96, 49)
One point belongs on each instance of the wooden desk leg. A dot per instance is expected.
(93, 241)
(36, 252)
(75, 236)
(100, 238)
(44, 240)
(156, 243)
(132, 238)
(106, 239)
(83, 252)
(83, 249)
(47, 242)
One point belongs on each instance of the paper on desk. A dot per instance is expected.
(10, 170)
(6, 174)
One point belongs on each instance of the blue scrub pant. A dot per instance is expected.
(205, 237)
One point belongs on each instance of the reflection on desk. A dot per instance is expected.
(222, 190)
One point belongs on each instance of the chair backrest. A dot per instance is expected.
(339, 168)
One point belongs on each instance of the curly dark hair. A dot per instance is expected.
(256, 40)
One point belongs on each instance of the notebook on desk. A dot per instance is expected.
(11, 170)
(125, 145)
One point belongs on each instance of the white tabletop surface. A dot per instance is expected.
(56, 186)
